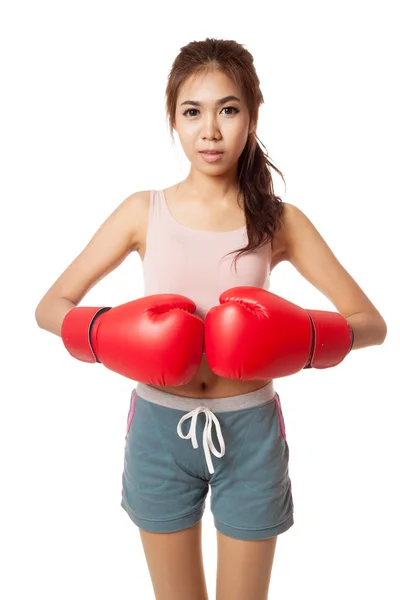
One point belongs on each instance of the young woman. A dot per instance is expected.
(207, 339)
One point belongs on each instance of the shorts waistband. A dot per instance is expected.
(250, 399)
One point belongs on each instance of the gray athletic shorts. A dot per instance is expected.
(177, 447)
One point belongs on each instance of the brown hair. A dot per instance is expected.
(263, 209)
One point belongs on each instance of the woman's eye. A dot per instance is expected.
(231, 108)
(189, 110)
(194, 110)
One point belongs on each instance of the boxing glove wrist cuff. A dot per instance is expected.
(352, 338)
(76, 332)
(333, 339)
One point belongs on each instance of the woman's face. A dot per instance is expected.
(204, 122)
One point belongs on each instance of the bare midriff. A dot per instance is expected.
(206, 384)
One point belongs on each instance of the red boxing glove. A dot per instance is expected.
(255, 334)
(156, 339)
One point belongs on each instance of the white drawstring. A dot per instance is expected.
(207, 439)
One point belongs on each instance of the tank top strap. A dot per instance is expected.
(156, 217)
(158, 209)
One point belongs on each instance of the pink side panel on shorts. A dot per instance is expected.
(131, 413)
(129, 421)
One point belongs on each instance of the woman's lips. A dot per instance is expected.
(211, 156)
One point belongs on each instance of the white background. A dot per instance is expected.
(83, 127)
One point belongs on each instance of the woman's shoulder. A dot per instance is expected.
(295, 229)
(139, 203)
(279, 240)
(140, 199)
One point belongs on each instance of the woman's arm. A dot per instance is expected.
(308, 252)
(116, 238)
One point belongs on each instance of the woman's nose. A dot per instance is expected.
(211, 130)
